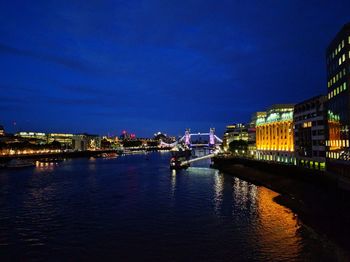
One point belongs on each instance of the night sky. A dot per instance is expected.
(157, 65)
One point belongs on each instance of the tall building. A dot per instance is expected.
(274, 134)
(310, 122)
(338, 96)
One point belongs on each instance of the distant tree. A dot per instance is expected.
(160, 137)
(238, 146)
(3, 145)
(132, 143)
(55, 145)
(152, 143)
(105, 144)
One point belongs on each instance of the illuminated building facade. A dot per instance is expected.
(30, 135)
(39, 138)
(238, 135)
(65, 140)
(274, 134)
(310, 127)
(235, 132)
(338, 96)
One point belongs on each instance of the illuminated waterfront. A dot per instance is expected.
(133, 207)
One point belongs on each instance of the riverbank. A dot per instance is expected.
(314, 196)
(76, 154)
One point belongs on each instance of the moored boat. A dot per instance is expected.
(18, 163)
(51, 160)
(109, 155)
(176, 163)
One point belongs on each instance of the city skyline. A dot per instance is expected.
(102, 68)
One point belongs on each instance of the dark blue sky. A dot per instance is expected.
(144, 66)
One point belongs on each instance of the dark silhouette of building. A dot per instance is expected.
(2, 131)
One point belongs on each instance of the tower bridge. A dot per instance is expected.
(187, 140)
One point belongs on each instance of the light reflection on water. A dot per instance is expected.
(218, 189)
(98, 209)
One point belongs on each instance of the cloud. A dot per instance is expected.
(66, 62)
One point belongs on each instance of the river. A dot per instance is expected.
(134, 208)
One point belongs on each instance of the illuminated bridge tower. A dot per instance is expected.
(187, 137)
(212, 137)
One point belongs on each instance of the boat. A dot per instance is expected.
(18, 163)
(181, 153)
(51, 160)
(175, 163)
(111, 155)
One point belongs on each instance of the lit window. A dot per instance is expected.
(344, 86)
(343, 57)
(342, 44)
(339, 61)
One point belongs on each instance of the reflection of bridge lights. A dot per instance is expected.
(173, 182)
(200, 170)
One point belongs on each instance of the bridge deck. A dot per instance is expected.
(183, 163)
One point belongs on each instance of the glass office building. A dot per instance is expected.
(338, 101)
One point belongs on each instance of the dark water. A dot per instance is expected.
(135, 208)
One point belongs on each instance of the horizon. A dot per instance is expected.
(146, 67)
